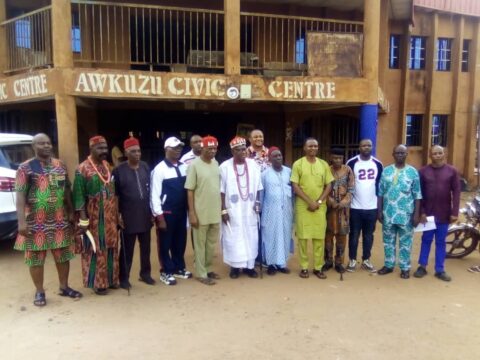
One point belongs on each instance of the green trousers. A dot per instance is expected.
(318, 253)
(204, 240)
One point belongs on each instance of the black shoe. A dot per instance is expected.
(147, 280)
(271, 270)
(283, 270)
(421, 272)
(443, 276)
(327, 266)
(384, 271)
(405, 274)
(250, 273)
(125, 284)
(100, 291)
(339, 268)
(234, 273)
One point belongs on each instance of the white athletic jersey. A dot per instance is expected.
(367, 176)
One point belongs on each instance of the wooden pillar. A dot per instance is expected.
(371, 31)
(61, 33)
(65, 107)
(66, 113)
(456, 72)
(430, 71)
(3, 39)
(232, 36)
(474, 105)
(404, 86)
(384, 43)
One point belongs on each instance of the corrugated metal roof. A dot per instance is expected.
(464, 7)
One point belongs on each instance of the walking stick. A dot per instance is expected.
(260, 246)
(122, 241)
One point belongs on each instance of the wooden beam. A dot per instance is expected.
(474, 104)
(232, 37)
(66, 115)
(371, 47)
(456, 62)
(61, 33)
(430, 69)
(404, 85)
(3, 39)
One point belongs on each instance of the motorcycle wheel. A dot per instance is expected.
(460, 243)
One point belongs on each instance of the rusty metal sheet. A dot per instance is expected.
(334, 55)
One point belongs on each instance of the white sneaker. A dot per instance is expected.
(183, 274)
(367, 265)
(167, 279)
(352, 264)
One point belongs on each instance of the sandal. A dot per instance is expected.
(68, 291)
(206, 281)
(213, 275)
(304, 274)
(100, 291)
(40, 299)
(474, 269)
(319, 274)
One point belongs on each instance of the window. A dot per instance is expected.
(300, 56)
(414, 130)
(394, 60)
(417, 52)
(465, 50)
(76, 36)
(444, 54)
(439, 130)
(23, 34)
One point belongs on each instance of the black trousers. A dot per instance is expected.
(126, 254)
(172, 243)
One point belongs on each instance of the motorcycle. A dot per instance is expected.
(463, 238)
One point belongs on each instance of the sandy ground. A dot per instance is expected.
(281, 317)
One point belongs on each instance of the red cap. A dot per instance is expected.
(237, 141)
(131, 141)
(209, 141)
(97, 139)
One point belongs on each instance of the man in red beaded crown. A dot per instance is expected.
(96, 205)
(240, 187)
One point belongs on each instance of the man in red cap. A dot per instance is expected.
(132, 186)
(240, 186)
(96, 205)
(204, 206)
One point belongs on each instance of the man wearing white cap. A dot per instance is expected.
(169, 207)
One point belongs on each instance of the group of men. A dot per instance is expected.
(252, 202)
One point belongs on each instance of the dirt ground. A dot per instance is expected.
(281, 317)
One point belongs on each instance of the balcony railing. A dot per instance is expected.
(29, 42)
(279, 42)
(145, 36)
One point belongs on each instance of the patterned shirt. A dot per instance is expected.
(44, 184)
(260, 157)
(399, 189)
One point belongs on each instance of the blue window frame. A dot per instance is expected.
(394, 58)
(417, 52)
(76, 34)
(23, 34)
(414, 130)
(439, 130)
(300, 50)
(444, 54)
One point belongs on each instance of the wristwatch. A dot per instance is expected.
(320, 201)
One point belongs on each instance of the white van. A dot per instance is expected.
(14, 149)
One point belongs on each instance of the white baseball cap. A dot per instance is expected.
(172, 142)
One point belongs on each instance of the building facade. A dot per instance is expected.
(395, 71)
